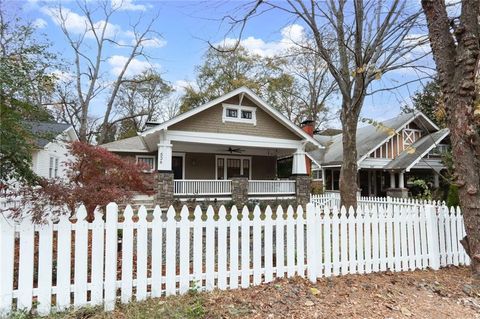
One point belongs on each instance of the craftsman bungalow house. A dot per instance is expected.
(388, 154)
(226, 149)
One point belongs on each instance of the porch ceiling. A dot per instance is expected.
(185, 147)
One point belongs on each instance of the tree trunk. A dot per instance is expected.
(457, 56)
(348, 174)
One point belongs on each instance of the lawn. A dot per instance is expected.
(419, 294)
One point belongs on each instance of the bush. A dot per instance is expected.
(452, 199)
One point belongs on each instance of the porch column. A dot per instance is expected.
(299, 166)
(400, 180)
(324, 180)
(165, 183)
(436, 179)
(392, 180)
(165, 156)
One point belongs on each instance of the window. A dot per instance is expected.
(149, 162)
(239, 113)
(53, 167)
(232, 113)
(228, 166)
(247, 115)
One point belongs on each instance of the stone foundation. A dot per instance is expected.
(302, 188)
(164, 195)
(397, 192)
(240, 190)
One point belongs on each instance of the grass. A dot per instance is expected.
(188, 306)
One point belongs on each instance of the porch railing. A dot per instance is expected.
(266, 187)
(193, 187)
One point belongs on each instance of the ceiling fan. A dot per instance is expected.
(232, 150)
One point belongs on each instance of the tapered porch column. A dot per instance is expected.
(302, 179)
(299, 166)
(392, 180)
(401, 183)
(436, 179)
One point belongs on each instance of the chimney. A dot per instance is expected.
(309, 127)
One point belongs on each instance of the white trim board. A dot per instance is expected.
(232, 139)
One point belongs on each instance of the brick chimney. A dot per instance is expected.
(309, 127)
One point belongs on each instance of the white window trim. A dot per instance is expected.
(182, 155)
(147, 156)
(239, 109)
(225, 157)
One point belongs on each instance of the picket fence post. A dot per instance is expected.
(432, 237)
(312, 252)
(7, 245)
(111, 243)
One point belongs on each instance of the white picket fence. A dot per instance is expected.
(75, 263)
(333, 200)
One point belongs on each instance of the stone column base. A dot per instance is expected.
(397, 192)
(164, 195)
(240, 191)
(302, 188)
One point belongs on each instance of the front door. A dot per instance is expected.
(177, 167)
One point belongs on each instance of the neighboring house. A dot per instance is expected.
(388, 154)
(51, 153)
(225, 149)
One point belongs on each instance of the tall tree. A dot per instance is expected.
(89, 46)
(315, 85)
(141, 99)
(26, 84)
(429, 101)
(371, 39)
(455, 44)
(226, 69)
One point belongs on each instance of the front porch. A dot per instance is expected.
(209, 169)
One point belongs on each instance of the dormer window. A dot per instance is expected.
(232, 113)
(239, 113)
(246, 115)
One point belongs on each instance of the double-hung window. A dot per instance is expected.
(53, 167)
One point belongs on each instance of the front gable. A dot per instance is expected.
(214, 120)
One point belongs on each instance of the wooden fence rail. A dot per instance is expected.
(68, 263)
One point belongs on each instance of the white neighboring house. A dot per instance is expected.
(51, 152)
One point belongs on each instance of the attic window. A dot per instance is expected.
(239, 113)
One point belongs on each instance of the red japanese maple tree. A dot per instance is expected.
(95, 177)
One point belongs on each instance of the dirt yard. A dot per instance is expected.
(419, 294)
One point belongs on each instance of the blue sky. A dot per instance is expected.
(185, 28)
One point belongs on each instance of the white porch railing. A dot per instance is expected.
(193, 187)
(267, 187)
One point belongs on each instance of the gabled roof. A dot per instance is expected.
(46, 132)
(408, 158)
(240, 91)
(370, 137)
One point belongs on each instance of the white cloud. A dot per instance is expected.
(154, 43)
(128, 5)
(63, 76)
(135, 67)
(78, 24)
(291, 35)
(39, 23)
(180, 85)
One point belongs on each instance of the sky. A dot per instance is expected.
(183, 30)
